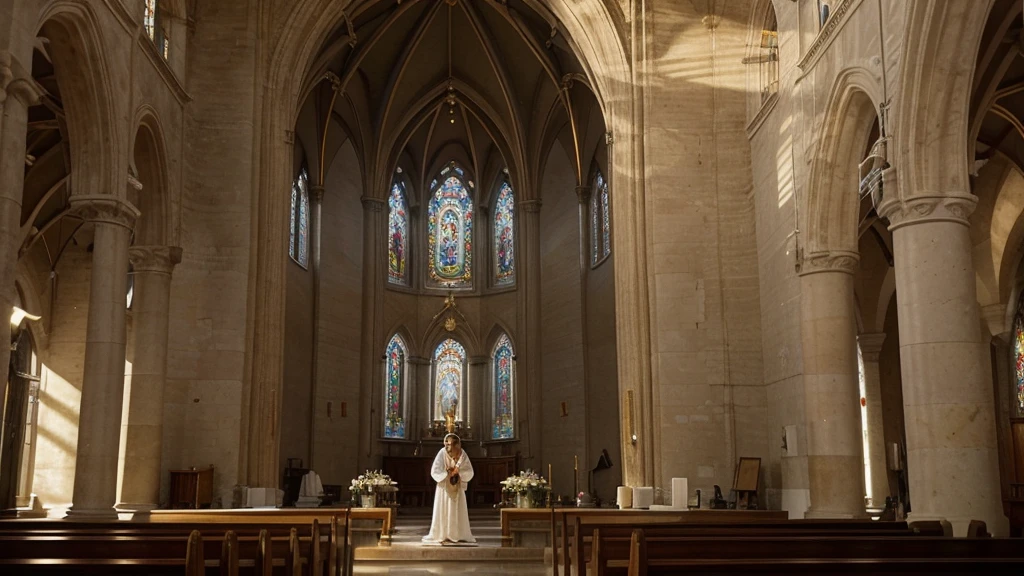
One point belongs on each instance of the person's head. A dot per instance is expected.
(452, 444)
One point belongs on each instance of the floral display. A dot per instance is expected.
(529, 487)
(370, 482)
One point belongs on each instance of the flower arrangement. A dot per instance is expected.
(529, 484)
(371, 481)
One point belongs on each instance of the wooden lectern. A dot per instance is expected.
(192, 488)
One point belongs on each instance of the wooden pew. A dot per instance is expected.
(169, 548)
(583, 530)
(645, 552)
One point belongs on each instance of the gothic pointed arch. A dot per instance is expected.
(600, 220)
(449, 368)
(503, 381)
(450, 229)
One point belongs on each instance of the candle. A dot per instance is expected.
(576, 475)
(551, 484)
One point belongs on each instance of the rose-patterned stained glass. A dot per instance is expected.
(504, 237)
(398, 235)
(450, 235)
(449, 368)
(394, 382)
(504, 381)
(1018, 357)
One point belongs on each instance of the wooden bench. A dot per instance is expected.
(576, 548)
(63, 547)
(646, 552)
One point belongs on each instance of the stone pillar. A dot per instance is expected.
(419, 398)
(835, 469)
(16, 95)
(876, 476)
(99, 424)
(528, 353)
(374, 224)
(952, 459)
(478, 400)
(142, 431)
(583, 198)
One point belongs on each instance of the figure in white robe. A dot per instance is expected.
(450, 521)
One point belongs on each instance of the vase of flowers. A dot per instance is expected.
(528, 488)
(368, 485)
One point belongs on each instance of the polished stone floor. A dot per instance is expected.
(455, 569)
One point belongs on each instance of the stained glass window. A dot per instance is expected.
(450, 233)
(394, 381)
(157, 32)
(149, 19)
(769, 67)
(600, 221)
(298, 237)
(504, 381)
(449, 368)
(398, 235)
(1018, 356)
(504, 237)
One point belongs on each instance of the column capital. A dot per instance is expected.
(994, 317)
(928, 207)
(155, 259)
(834, 261)
(583, 194)
(530, 206)
(16, 82)
(317, 193)
(105, 208)
(373, 204)
(871, 345)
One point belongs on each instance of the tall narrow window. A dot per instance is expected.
(769, 56)
(503, 363)
(398, 235)
(394, 393)
(504, 237)
(600, 221)
(298, 245)
(149, 19)
(1018, 357)
(449, 374)
(450, 231)
(152, 22)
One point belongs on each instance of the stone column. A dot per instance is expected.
(876, 476)
(835, 469)
(952, 459)
(99, 424)
(142, 431)
(529, 372)
(419, 397)
(16, 95)
(374, 224)
(583, 198)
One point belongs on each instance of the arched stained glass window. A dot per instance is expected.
(450, 232)
(1018, 357)
(600, 221)
(769, 56)
(395, 357)
(298, 241)
(152, 22)
(449, 375)
(398, 235)
(504, 236)
(504, 367)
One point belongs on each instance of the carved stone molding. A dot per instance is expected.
(373, 204)
(837, 261)
(871, 345)
(583, 194)
(317, 193)
(104, 208)
(836, 19)
(994, 317)
(531, 206)
(762, 114)
(155, 259)
(928, 208)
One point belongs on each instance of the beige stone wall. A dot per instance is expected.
(709, 405)
(334, 443)
(562, 352)
(297, 382)
(602, 386)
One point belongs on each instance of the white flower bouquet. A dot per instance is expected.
(372, 481)
(528, 482)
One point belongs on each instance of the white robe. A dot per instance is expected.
(450, 520)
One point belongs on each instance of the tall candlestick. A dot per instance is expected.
(551, 485)
(576, 475)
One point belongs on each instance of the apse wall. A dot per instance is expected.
(564, 432)
(341, 290)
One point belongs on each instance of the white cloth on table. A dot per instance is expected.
(311, 485)
(450, 520)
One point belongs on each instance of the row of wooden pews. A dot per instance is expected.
(879, 550)
(227, 548)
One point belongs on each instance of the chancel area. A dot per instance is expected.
(672, 272)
